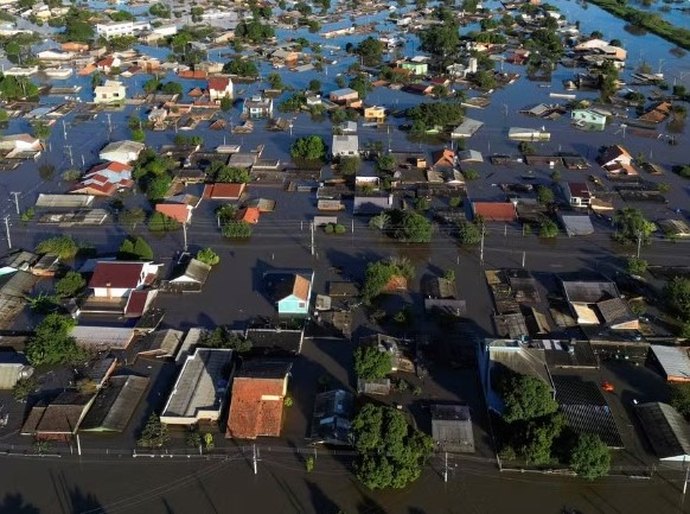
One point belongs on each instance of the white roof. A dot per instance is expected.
(579, 225)
(674, 360)
(102, 337)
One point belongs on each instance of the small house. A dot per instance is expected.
(615, 159)
(107, 64)
(332, 417)
(375, 114)
(466, 129)
(13, 368)
(257, 400)
(345, 145)
(415, 68)
(117, 279)
(578, 194)
(224, 191)
(588, 118)
(219, 88)
(258, 107)
(291, 292)
(113, 91)
(123, 152)
(344, 96)
(105, 179)
(451, 428)
(495, 211)
(180, 212)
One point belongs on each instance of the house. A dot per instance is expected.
(577, 224)
(466, 129)
(13, 367)
(344, 96)
(590, 118)
(71, 46)
(55, 55)
(657, 113)
(105, 179)
(256, 401)
(157, 116)
(443, 159)
(123, 152)
(332, 417)
(528, 134)
(375, 114)
(249, 215)
(201, 388)
(258, 107)
(598, 303)
(271, 340)
(117, 279)
(578, 194)
(673, 361)
(615, 159)
(494, 211)
(291, 292)
(451, 428)
(224, 191)
(372, 204)
(394, 348)
(601, 47)
(666, 430)
(107, 64)
(415, 68)
(345, 145)
(115, 404)
(121, 28)
(180, 212)
(418, 88)
(191, 275)
(58, 420)
(219, 88)
(19, 143)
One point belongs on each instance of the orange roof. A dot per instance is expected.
(116, 167)
(218, 83)
(444, 158)
(224, 191)
(177, 211)
(87, 70)
(249, 215)
(192, 74)
(494, 211)
(301, 288)
(251, 414)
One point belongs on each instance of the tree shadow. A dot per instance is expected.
(15, 504)
(320, 502)
(84, 503)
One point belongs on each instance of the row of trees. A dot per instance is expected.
(407, 226)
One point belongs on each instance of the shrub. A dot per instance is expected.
(237, 230)
(208, 256)
(159, 222)
(70, 285)
(63, 246)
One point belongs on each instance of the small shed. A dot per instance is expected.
(451, 428)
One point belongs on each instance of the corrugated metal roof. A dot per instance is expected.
(674, 360)
(668, 432)
(70, 201)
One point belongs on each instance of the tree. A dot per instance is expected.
(677, 294)
(441, 40)
(680, 398)
(590, 458)
(608, 81)
(548, 229)
(390, 452)
(309, 148)
(439, 114)
(230, 174)
(41, 130)
(157, 186)
(16, 88)
(371, 363)
(538, 438)
(349, 165)
(371, 51)
(155, 434)
(416, 228)
(379, 274)
(469, 234)
(64, 247)
(159, 222)
(470, 174)
(225, 103)
(208, 256)
(275, 81)
(315, 85)
(77, 26)
(138, 135)
(52, 344)
(70, 285)
(237, 230)
(360, 84)
(545, 195)
(386, 163)
(525, 397)
(135, 249)
(130, 218)
(380, 221)
(630, 225)
(160, 10)
(241, 68)
(220, 337)
(172, 88)
(637, 266)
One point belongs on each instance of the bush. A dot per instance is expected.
(309, 148)
(63, 246)
(371, 364)
(135, 249)
(237, 230)
(469, 234)
(637, 266)
(339, 228)
(590, 458)
(329, 228)
(70, 285)
(28, 214)
(208, 256)
(548, 229)
(159, 222)
(349, 165)
(470, 174)
(545, 195)
(455, 202)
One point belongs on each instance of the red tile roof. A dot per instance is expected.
(249, 215)
(495, 211)
(579, 189)
(224, 191)
(192, 74)
(250, 415)
(116, 167)
(120, 275)
(177, 211)
(218, 83)
(136, 303)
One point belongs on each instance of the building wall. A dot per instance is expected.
(293, 305)
(112, 292)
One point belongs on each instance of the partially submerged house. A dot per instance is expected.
(58, 420)
(291, 292)
(122, 151)
(451, 428)
(345, 145)
(332, 418)
(115, 404)
(117, 279)
(112, 91)
(578, 194)
(666, 430)
(599, 303)
(105, 179)
(219, 88)
(14, 367)
(257, 399)
(495, 211)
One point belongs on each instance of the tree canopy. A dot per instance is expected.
(70, 285)
(427, 115)
(52, 344)
(390, 452)
(677, 293)
(441, 40)
(220, 337)
(135, 249)
(371, 363)
(155, 434)
(309, 148)
(525, 397)
(63, 246)
(590, 458)
(208, 256)
(379, 274)
(241, 68)
(371, 51)
(631, 224)
(254, 31)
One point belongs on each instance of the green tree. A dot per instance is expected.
(230, 174)
(371, 364)
(630, 225)
(130, 218)
(637, 266)
(360, 84)
(135, 249)
(138, 135)
(241, 68)
(349, 165)
(220, 337)
(172, 88)
(77, 26)
(309, 148)
(677, 294)
(379, 274)
(52, 344)
(416, 228)
(525, 397)
(386, 163)
(225, 103)
(371, 51)
(64, 247)
(275, 81)
(680, 398)
(208, 256)
(155, 434)
(41, 130)
(469, 234)
(590, 458)
(315, 85)
(70, 285)
(159, 222)
(442, 40)
(390, 452)
(545, 195)
(157, 187)
(237, 230)
(380, 221)
(548, 229)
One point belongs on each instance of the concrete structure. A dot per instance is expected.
(200, 389)
(13, 368)
(345, 145)
(258, 107)
(588, 117)
(375, 114)
(344, 96)
(113, 91)
(123, 28)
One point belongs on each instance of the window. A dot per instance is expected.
(302, 305)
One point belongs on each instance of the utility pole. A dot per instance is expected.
(16, 200)
(110, 125)
(83, 161)
(685, 480)
(7, 229)
(69, 151)
(524, 255)
(311, 228)
(639, 243)
(64, 130)
(445, 467)
(184, 232)
(481, 247)
(255, 459)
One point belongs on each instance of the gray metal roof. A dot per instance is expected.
(667, 430)
(589, 292)
(115, 404)
(577, 225)
(451, 428)
(674, 360)
(70, 201)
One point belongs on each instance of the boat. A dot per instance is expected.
(58, 73)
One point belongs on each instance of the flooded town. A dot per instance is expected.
(343, 257)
